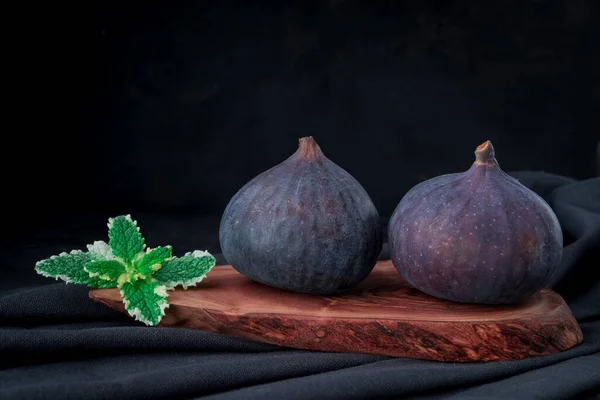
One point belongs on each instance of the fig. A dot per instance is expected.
(479, 236)
(305, 225)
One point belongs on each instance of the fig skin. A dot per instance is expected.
(305, 225)
(475, 237)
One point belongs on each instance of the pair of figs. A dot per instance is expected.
(306, 225)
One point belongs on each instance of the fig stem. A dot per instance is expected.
(485, 155)
(308, 148)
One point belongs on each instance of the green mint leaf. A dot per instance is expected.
(153, 259)
(65, 266)
(96, 282)
(143, 277)
(109, 270)
(126, 241)
(145, 300)
(185, 271)
(100, 250)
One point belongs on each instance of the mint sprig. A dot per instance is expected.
(142, 275)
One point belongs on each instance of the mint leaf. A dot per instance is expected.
(185, 271)
(96, 282)
(100, 250)
(65, 266)
(153, 259)
(143, 277)
(126, 241)
(109, 270)
(145, 300)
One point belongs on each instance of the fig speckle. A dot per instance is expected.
(305, 225)
(498, 239)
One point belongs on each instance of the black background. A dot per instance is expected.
(165, 109)
(157, 106)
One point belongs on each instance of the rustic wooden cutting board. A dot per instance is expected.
(383, 315)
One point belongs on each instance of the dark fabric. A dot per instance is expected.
(56, 343)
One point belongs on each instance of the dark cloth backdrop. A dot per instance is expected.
(163, 111)
(55, 343)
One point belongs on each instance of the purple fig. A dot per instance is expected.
(305, 225)
(476, 237)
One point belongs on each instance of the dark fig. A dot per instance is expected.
(305, 225)
(476, 237)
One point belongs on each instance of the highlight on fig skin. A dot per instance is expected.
(305, 225)
(479, 236)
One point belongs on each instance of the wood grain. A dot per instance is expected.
(383, 315)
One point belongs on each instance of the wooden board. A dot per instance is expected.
(383, 315)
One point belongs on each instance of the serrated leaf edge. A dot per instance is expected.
(194, 281)
(127, 217)
(57, 277)
(101, 244)
(134, 222)
(185, 284)
(199, 253)
(160, 290)
(136, 313)
(149, 249)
